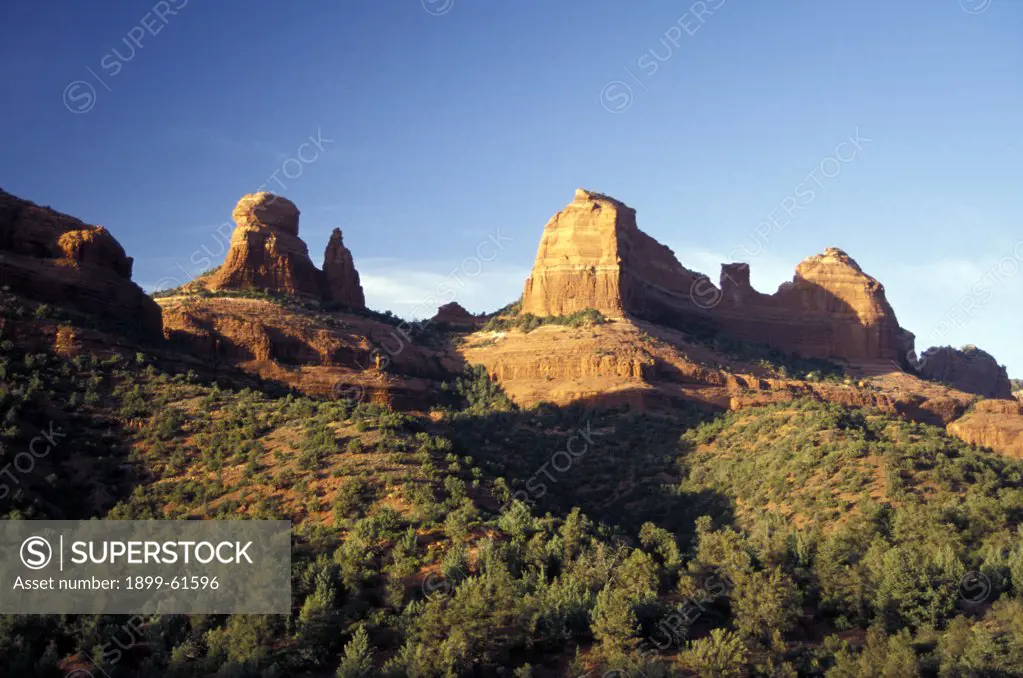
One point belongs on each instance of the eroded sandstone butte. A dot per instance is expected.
(830, 309)
(593, 255)
(267, 254)
(54, 258)
(968, 369)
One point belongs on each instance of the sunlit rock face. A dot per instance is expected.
(593, 255)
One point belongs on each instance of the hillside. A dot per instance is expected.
(593, 490)
(819, 521)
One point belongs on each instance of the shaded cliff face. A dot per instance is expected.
(970, 369)
(266, 253)
(830, 309)
(57, 259)
(593, 255)
(341, 280)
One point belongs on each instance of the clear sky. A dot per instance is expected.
(443, 123)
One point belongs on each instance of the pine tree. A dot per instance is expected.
(357, 661)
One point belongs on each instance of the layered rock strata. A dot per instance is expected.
(593, 255)
(830, 309)
(997, 424)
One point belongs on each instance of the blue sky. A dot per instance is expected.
(444, 123)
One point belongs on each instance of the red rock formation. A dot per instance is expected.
(830, 309)
(322, 354)
(95, 246)
(592, 255)
(266, 252)
(970, 369)
(56, 259)
(454, 314)
(341, 280)
(996, 424)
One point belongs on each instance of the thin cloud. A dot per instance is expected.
(415, 290)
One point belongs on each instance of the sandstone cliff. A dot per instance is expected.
(57, 259)
(970, 369)
(651, 367)
(322, 354)
(593, 255)
(997, 424)
(830, 309)
(267, 254)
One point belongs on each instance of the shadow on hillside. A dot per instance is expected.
(620, 467)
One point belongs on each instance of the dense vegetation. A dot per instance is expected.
(782, 364)
(527, 322)
(798, 539)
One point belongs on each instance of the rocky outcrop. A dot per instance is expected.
(593, 255)
(321, 354)
(340, 279)
(996, 424)
(96, 247)
(969, 369)
(266, 254)
(454, 315)
(830, 309)
(57, 259)
(651, 367)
